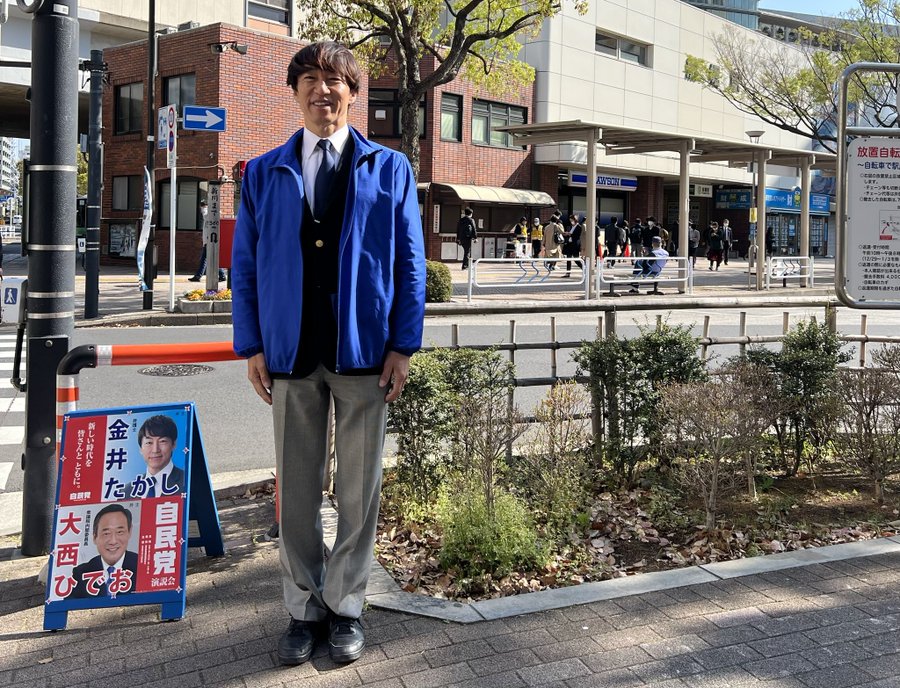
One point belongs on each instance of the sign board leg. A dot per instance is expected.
(55, 621)
(172, 611)
(202, 502)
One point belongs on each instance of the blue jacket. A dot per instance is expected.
(380, 304)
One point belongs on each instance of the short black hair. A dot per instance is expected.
(111, 509)
(158, 426)
(329, 56)
(467, 211)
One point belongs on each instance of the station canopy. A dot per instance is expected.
(498, 195)
(618, 140)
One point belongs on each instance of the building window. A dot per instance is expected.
(486, 117)
(623, 48)
(272, 10)
(128, 193)
(384, 113)
(451, 117)
(180, 91)
(187, 204)
(129, 108)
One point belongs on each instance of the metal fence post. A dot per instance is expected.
(742, 331)
(863, 331)
(831, 318)
(511, 397)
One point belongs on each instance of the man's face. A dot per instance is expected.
(157, 452)
(324, 99)
(112, 536)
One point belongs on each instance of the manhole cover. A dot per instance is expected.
(181, 370)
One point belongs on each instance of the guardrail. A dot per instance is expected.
(784, 268)
(506, 273)
(620, 270)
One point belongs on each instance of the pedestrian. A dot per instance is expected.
(537, 238)
(770, 242)
(201, 268)
(572, 247)
(635, 237)
(714, 249)
(726, 239)
(693, 242)
(329, 303)
(520, 237)
(648, 232)
(650, 266)
(611, 239)
(554, 240)
(466, 233)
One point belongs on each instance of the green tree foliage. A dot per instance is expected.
(438, 283)
(625, 379)
(478, 39)
(793, 86)
(806, 377)
(82, 179)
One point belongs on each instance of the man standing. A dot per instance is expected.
(329, 302)
(726, 239)
(466, 233)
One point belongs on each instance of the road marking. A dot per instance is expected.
(8, 365)
(5, 468)
(12, 434)
(17, 405)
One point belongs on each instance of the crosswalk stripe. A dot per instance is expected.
(12, 434)
(17, 405)
(8, 365)
(5, 468)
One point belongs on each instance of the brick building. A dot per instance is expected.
(463, 162)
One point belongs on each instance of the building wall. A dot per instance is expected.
(262, 114)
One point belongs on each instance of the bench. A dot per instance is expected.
(619, 270)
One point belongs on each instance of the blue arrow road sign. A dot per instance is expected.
(204, 118)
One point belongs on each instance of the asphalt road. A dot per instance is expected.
(237, 426)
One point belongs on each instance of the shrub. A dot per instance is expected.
(438, 284)
(805, 372)
(478, 540)
(555, 471)
(625, 376)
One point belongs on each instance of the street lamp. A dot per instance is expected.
(754, 135)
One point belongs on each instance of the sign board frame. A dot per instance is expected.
(101, 471)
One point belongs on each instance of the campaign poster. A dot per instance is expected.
(120, 525)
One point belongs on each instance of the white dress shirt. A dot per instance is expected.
(312, 158)
(158, 478)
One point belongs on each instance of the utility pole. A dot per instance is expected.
(51, 265)
(95, 176)
(150, 254)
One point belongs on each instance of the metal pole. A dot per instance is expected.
(804, 215)
(173, 218)
(150, 253)
(684, 206)
(95, 179)
(51, 267)
(761, 157)
(590, 221)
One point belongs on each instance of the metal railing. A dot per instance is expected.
(801, 268)
(620, 270)
(507, 273)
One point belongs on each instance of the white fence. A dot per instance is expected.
(525, 273)
(802, 268)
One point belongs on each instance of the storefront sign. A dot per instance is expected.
(120, 532)
(701, 190)
(777, 200)
(604, 181)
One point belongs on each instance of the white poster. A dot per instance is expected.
(145, 227)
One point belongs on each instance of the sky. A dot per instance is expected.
(825, 7)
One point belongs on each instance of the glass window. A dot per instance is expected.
(128, 193)
(129, 108)
(487, 117)
(180, 91)
(606, 44)
(633, 52)
(187, 206)
(384, 113)
(273, 10)
(451, 117)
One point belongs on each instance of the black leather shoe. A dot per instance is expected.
(346, 641)
(297, 643)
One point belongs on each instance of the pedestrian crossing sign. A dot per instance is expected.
(12, 310)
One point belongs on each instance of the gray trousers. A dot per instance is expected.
(300, 411)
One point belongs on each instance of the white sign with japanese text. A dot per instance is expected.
(873, 220)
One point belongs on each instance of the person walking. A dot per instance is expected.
(693, 242)
(466, 233)
(572, 247)
(611, 240)
(635, 236)
(714, 249)
(329, 303)
(554, 240)
(726, 239)
(537, 238)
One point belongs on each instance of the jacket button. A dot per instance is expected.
(319, 243)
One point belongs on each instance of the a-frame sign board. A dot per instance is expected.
(126, 479)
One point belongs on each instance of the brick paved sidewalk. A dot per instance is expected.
(826, 625)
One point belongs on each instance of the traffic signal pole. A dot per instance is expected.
(95, 161)
(51, 265)
(150, 254)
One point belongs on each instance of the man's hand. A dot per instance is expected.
(258, 374)
(396, 370)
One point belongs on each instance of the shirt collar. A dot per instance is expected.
(166, 470)
(338, 140)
